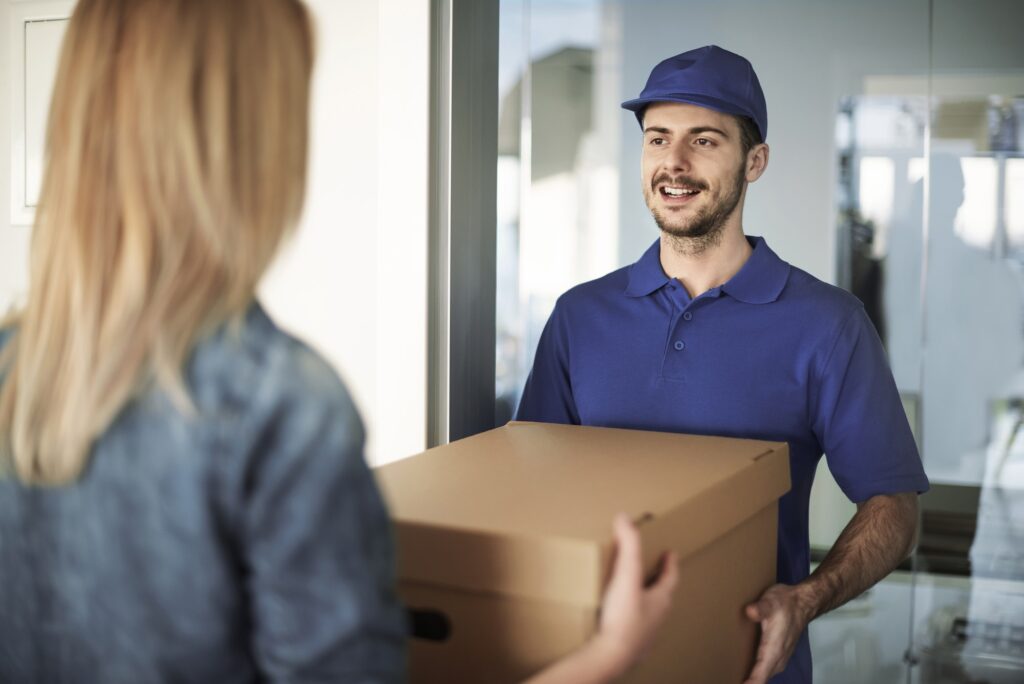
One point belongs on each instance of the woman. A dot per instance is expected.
(183, 495)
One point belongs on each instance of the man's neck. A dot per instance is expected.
(708, 268)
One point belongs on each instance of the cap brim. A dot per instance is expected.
(638, 105)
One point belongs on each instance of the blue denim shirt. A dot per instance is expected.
(246, 543)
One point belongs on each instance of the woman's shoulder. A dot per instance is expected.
(255, 366)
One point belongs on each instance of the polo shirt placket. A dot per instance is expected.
(686, 339)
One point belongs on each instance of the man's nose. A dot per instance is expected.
(678, 158)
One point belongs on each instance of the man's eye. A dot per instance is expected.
(704, 142)
(657, 141)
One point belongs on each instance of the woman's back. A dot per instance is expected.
(244, 542)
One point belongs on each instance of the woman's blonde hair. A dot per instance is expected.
(175, 164)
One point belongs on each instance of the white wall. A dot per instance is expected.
(5, 151)
(353, 280)
(353, 283)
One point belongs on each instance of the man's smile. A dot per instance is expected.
(677, 191)
(678, 194)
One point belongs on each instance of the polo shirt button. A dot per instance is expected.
(687, 316)
(679, 345)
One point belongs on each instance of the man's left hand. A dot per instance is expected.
(783, 612)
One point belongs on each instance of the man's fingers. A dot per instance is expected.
(764, 606)
(780, 629)
(758, 611)
(764, 667)
(759, 674)
(769, 653)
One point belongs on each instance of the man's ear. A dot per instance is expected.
(757, 162)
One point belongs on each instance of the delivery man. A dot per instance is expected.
(710, 332)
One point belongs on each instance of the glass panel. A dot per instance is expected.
(969, 589)
(865, 639)
(880, 200)
(556, 198)
(1015, 203)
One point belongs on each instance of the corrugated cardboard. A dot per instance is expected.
(504, 543)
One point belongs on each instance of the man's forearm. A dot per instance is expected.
(880, 535)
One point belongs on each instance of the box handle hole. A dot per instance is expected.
(429, 624)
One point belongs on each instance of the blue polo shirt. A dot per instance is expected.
(772, 354)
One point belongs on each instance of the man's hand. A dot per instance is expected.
(783, 613)
(880, 535)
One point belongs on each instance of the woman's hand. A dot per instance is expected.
(631, 614)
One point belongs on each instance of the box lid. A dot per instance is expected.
(526, 509)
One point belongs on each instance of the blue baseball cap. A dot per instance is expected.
(708, 77)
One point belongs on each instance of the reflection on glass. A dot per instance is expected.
(990, 627)
(1015, 206)
(880, 192)
(958, 362)
(974, 316)
(877, 176)
(975, 222)
(557, 211)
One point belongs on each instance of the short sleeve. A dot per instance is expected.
(318, 549)
(547, 397)
(858, 417)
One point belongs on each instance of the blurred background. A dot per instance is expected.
(470, 163)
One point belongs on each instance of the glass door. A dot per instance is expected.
(969, 581)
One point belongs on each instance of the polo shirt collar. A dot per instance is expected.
(646, 275)
(760, 280)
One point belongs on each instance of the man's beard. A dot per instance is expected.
(704, 230)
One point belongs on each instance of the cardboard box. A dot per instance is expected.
(505, 542)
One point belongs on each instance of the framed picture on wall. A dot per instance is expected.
(36, 31)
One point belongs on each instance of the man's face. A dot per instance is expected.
(693, 168)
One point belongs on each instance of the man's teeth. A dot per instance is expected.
(679, 192)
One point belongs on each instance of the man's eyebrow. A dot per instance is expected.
(708, 129)
(697, 130)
